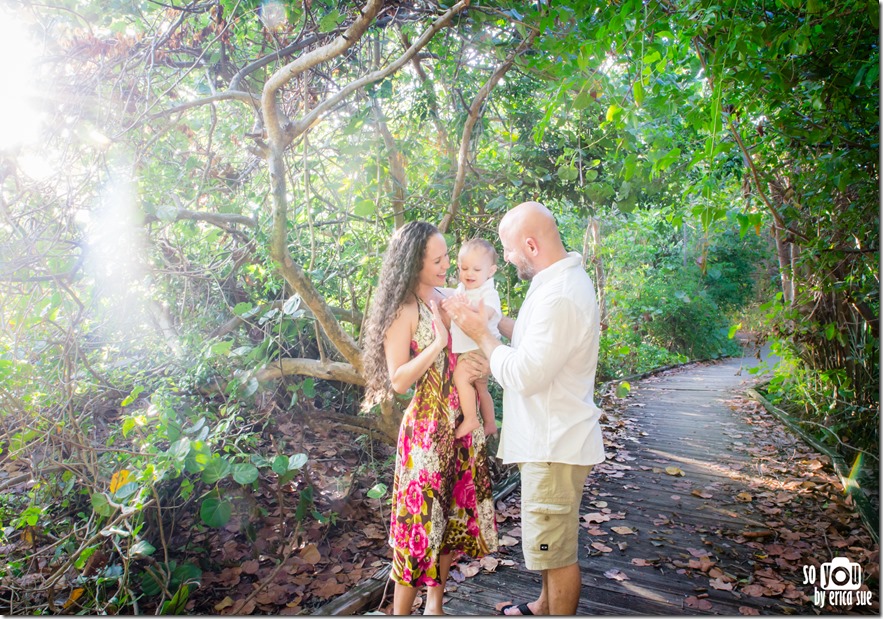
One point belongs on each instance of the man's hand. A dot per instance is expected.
(477, 364)
(470, 319)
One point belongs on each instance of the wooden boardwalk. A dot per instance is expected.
(679, 419)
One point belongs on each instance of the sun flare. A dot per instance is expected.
(19, 116)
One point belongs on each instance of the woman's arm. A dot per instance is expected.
(403, 370)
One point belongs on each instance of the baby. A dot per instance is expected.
(476, 263)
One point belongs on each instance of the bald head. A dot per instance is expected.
(530, 239)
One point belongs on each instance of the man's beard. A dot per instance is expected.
(525, 271)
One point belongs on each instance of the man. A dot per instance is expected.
(550, 421)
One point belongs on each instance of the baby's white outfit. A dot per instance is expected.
(460, 342)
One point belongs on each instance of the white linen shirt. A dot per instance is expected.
(548, 372)
(460, 342)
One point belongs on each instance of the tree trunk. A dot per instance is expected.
(783, 252)
(396, 166)
(592, 242)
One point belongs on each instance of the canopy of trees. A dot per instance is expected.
(194, 201)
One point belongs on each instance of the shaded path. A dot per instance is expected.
(723, 524)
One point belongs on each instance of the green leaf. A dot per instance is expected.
(132, 396)
(590, 175)
(166, 212)
(623, 389)
(243, 308)
(291, 304)
(178, 604)
(280, 465)
(222, 348)
(101, 504)
(329, 21)
(378, 491)
(185, 573)
(308, 387)
(638, 92)
(245, 473)
(215, 470)
(141, 548)
(567, 173)
(613, 113)
(198, 457)
(297, 462)
(628, 168)
(364, 208)
(125, 491)
(582, 100)
(733, 329)
(831, 331)
(179, 449)
(215, 512)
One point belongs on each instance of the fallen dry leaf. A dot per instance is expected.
(720, 585)
(227, 601)
(694, 602)
(471, 569)
(673, 470)
(616, 575)
(754, 591)
(601, 547)
(506, 540)
(747, 610)
(641, 563)
(310, 554)
(490, 564)
(596, 517)
(622, 530)
(744, 497)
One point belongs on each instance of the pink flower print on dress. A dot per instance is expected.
(398, 533)
(472, 528)
(435, 480)
(424, 431)
(406, 447)
(414, 497)
(419, 541)
(464, 491)
(454, 399)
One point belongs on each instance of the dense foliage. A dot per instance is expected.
(194, 201)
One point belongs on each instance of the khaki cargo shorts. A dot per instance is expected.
(550, 498)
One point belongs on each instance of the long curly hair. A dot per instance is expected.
(402, 263)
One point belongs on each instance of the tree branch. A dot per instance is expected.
(303, 63)
(474, 114)
(326, 370)
(222, 220)
(310, 119)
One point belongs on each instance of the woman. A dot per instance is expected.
(441, 501)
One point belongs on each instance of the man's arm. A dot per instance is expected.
(506, 326)
(544, 347)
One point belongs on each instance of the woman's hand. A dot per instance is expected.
(438, 324)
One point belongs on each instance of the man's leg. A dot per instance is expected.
(562, 588)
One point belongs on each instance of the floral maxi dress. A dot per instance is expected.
(442, 500)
